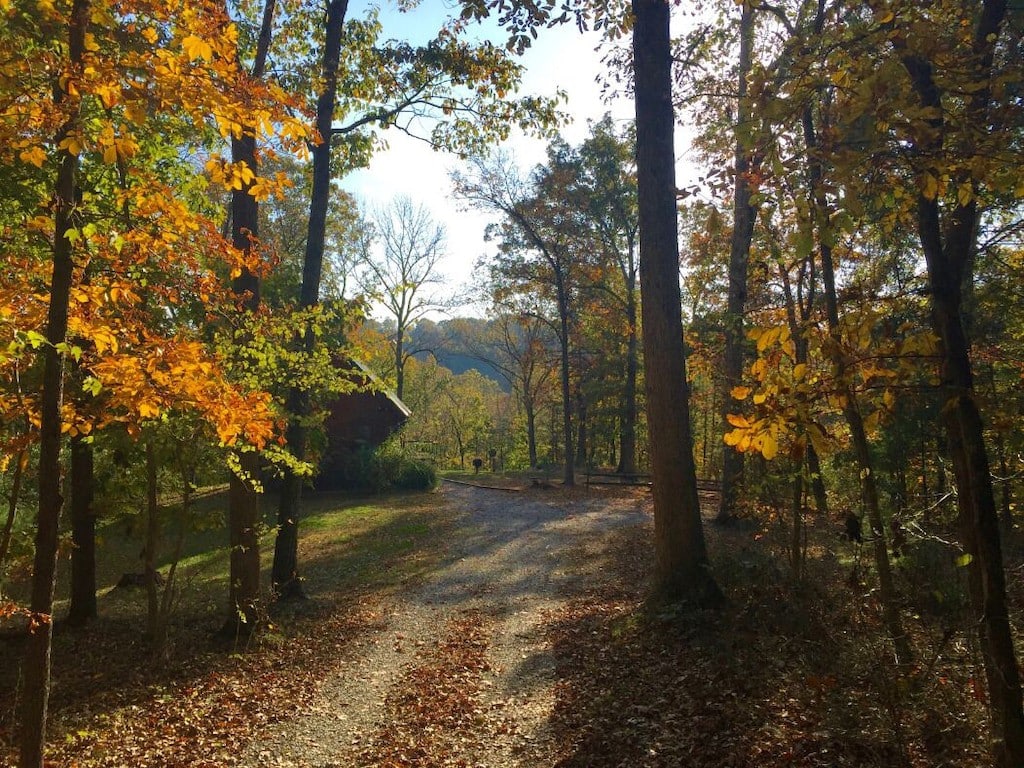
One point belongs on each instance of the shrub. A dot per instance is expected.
(385, 469)
(414, 475)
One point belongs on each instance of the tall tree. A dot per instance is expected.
(244, 522)
(285, 570)
(540, 252)
(681, 562)
(744, 216)
(404, 272)
(951, 139)
(604, 191)
(36, 668)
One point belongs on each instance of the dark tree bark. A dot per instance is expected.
(851, 410)
(152, 544)
(244, 598)
(949, 240)
(582, 437)
(681, 563)
(562, 294)
(36, 665)
(531, 431)
(82, 607)
(627, 428)
(17, 480)
(285, 570)
(744, 216)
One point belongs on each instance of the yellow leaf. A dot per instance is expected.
(36, 156)
(733, 437)
(799, 371)
(886, 16)
(759, 398)
(147, 410)
(769, 446)
(740, 393)
(929, 186)
(197, 48)
(738, 420)
(768, 338)
(72, 145)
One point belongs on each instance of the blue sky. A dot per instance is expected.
(560, 58)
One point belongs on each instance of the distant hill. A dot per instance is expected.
(452, 343)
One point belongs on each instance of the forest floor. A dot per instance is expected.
(517, 634)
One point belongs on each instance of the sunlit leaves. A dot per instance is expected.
(159, 81)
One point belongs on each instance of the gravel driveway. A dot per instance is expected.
(461, 674)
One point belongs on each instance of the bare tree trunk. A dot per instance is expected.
(36, 665)
(569, 473)
(244, 598)
(243, 497)
(797, 530)
(531, 431)
(149, 552)
(949, 247)
(582, 437)
(851, 410)
(627, 428)
(82, 606)
(681, 563)
(285, 570)
(744, 215)
(20, 461)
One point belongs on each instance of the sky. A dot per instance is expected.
(560, 58)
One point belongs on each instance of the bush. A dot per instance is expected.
(385, 469)
(415, 475)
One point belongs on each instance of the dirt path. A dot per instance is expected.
(461, 674)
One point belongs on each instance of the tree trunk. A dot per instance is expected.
(149, 552)
(627, 426)
(400, 363)
(681, 563)
(949, 245)
(243, 496)
(285, 570)
(744, 215)
(1007, 495)
(978, 519)
(20, 462)
(36, 665)
(531, 431)
(82, 606)
(802, 356)
(569, 474)
(796, 560)
(582, 438)
(851, 410)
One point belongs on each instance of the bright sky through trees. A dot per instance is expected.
(561, 58)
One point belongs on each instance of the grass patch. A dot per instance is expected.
(353, 552)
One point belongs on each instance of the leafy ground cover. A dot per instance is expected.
(113, 704)
(786, 674)
(783, 675)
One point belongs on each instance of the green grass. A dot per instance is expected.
(345, 543)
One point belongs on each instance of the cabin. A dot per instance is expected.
(362, 419)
